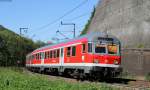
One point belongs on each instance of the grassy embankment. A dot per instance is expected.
(17, 79)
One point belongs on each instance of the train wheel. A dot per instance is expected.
(60, 73)
(82, 76)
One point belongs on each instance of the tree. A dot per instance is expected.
(14, 47)
(84, 31)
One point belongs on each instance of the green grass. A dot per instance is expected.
(17, 79)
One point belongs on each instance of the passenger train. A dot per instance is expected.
(95, 54)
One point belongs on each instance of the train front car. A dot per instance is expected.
(95, 55)
(105, 54)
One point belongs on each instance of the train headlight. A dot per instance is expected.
(116, 62)
(96, 61)
(106, 60)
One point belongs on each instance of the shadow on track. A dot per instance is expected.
(104, 80)
(118, 80)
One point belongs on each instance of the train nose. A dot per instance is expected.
(112, 60)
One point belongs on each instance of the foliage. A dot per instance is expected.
(140, 46)
(18, 79)
(13, 48)
(88, 23)
(40, 43)
(147, 77)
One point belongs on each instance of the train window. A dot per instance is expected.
(100, 49)
(38, 56)
(50, 54)
(45, 55)
(112, 49)
(74, 51)
(68, 51)
(89, 47)
(42, 55)
(83, 48)
(54, 53)
(57, 52)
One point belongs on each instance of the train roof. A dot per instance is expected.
(89, 37)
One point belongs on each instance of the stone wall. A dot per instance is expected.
(136, 61)
(129, 20)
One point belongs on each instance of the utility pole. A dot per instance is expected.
(74, 29)
(25, 30)
(21, 53)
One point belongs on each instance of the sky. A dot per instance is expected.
(43, 17)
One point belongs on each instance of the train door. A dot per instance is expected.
(42, 58)
(61, 56)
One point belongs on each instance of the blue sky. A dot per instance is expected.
(34, 14)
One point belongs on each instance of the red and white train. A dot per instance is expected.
(95, 54)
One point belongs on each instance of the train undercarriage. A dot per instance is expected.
(91, 73)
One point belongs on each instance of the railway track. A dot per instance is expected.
(120, 83)
(129, 84)
(127, 87)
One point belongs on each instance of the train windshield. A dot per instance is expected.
(100, 48)
(112, 49)
(106, 48)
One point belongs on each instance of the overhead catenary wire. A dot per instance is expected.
(56, 21)
(62, 34)
(66, 31)
(59, 18)
(77, 17)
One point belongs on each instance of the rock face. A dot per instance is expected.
(129, 20)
